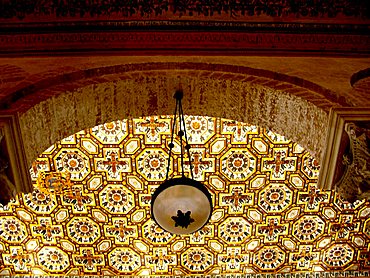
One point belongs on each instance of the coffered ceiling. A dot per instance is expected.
(268, 214)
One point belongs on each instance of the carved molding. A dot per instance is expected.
(23, 9)
(189, 25)
(184, 42)
(14, 175)
(186, 27)
(332, 174)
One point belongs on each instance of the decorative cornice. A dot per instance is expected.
(190, 42)
(183, 25)
(24, 9)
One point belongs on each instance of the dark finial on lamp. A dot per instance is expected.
(178, 95)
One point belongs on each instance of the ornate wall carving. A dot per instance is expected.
(355, 182)
(346, 158)
(108, 25)
(232, 8)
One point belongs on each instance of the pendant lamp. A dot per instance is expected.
(181, 205)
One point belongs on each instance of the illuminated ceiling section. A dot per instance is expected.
(268, 214)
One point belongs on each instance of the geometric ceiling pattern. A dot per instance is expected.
(268, 217)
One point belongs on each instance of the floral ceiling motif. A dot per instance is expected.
(268, 214)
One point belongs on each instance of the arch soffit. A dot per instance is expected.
(74, 100)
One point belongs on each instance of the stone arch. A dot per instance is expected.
(77, 100)
(360, 82)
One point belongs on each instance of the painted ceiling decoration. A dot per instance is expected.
(269, 216)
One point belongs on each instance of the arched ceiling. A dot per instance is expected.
(211, 89)
(268, 214)
(252, 229)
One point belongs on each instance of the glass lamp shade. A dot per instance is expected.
(181, 205)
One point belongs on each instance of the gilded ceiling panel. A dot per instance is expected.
(268, 217)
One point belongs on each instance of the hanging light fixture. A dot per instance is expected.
(181, 205)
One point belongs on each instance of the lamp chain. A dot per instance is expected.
(182, 134)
